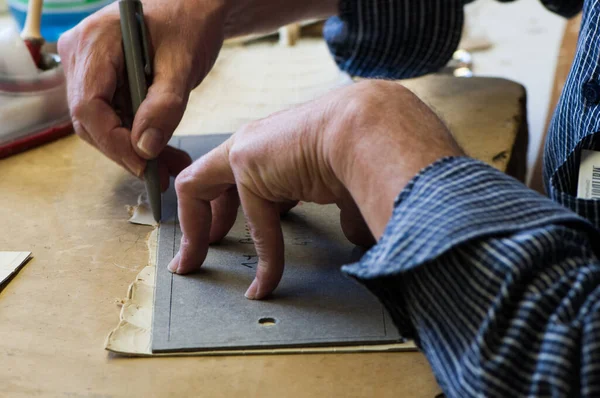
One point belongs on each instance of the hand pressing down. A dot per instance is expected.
(356, 147)
(186, 37)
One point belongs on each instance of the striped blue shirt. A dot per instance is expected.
(499, 286)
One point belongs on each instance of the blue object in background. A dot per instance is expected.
(57, 16)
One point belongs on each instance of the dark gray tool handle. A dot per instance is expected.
(134, 51)
(153, 188)
(139, 74)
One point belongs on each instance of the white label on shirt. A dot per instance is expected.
(589, 175)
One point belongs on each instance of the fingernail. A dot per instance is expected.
(132, 166)
(252, 292)
(151, 142)
(172, 267)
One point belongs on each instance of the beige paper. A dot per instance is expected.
(10, 263)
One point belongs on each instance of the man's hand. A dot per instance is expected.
(356, 147)
(186, 38)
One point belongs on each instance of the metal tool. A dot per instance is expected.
(139, 74)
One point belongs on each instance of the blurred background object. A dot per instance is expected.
(524, 39)
(33, 98)
(58, 16)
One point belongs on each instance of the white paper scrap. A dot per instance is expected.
(10, 263)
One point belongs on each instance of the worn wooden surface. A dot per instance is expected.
(566, 55)
(487, 117)
(66, 203)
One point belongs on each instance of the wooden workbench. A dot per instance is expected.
(66, 203)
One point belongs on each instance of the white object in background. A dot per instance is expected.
(10, 262)
(588, 186)
(24, 114)
(31, 99)
(15, 59)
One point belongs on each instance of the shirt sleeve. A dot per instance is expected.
(394, 39)
(499, 286)
(399, 39)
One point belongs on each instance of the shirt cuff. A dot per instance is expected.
(449, 203)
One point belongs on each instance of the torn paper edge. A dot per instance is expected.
(141, 213)
(133, 335)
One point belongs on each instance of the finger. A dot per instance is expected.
(203, 181)
(224, 212)
(93, 66)
(353, 224)
(98, 121)
(262, 217)
(171, 162)
(160, 113)
(82, 133)
(134, 169)
(194, 219)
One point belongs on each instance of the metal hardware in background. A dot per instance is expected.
(461, 64)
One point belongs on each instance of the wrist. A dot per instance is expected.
(384, 135)
(244, 17)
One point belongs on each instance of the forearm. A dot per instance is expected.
(497, 284)
(255, 16)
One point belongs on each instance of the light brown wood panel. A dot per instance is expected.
(566, 55)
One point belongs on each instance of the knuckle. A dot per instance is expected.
(170, 100)
(174, 101)
(163, 108)
(184, 182)
(246, 129)
(376, 92)
(240, 151)
(78, 109)
(64, 44)
(89, 29)
(80, 130)
(370, 97)
(237, 156)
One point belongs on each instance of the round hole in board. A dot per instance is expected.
(267, 321)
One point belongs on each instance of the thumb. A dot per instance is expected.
(158, 116)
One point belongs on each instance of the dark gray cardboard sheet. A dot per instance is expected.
(314, 305)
